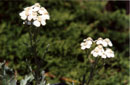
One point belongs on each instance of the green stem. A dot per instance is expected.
(36, 57)
(92, 70)
(31, 40)
(33, 37)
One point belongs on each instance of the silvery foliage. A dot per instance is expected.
(43, 82)
(28, 78)
(8, 77)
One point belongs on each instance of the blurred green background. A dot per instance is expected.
(70, 22)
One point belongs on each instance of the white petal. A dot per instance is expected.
(34, 17)
(36, 23)
(43, 22)
(44, 17)
(89, 42)
(95, 54)
(100, 47)
(36, 8)
(104, 43)
(108, 41)
(30, 12)
(83, 48)
(30, 18)
(92, 51)
(109, 53)
(88, 46)
(112, 55)
(99, 42)
(110, 44)
(100, 53)
(22, 13)
(84, 39)
(89, 39)
(82, 44)
(36, 5)
(103, 56)
(23, 17)
(41, 12)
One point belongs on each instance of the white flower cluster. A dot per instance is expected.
(101, 47)
(35, 14)
(105, 42)
(87, 43)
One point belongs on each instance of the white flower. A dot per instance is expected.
(36, 23)
(87, 43)
(99, 41)
(98, 51)
(109, 53)
(108, 42)
(45, 17)
(88, 39)
(40, 19)
(103, 55)
(23, 15)
(43, 22)
(104, 43)
(35, 14)
(42, 10)
(94, 53)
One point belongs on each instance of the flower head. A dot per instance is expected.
(105, 42)
(101, 47)
(99, 41)
(35, 14)
(98, 51)
(86, 43)
(109, 53)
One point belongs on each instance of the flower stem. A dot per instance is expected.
(31, 40)
(33, 37)
(92, 70)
